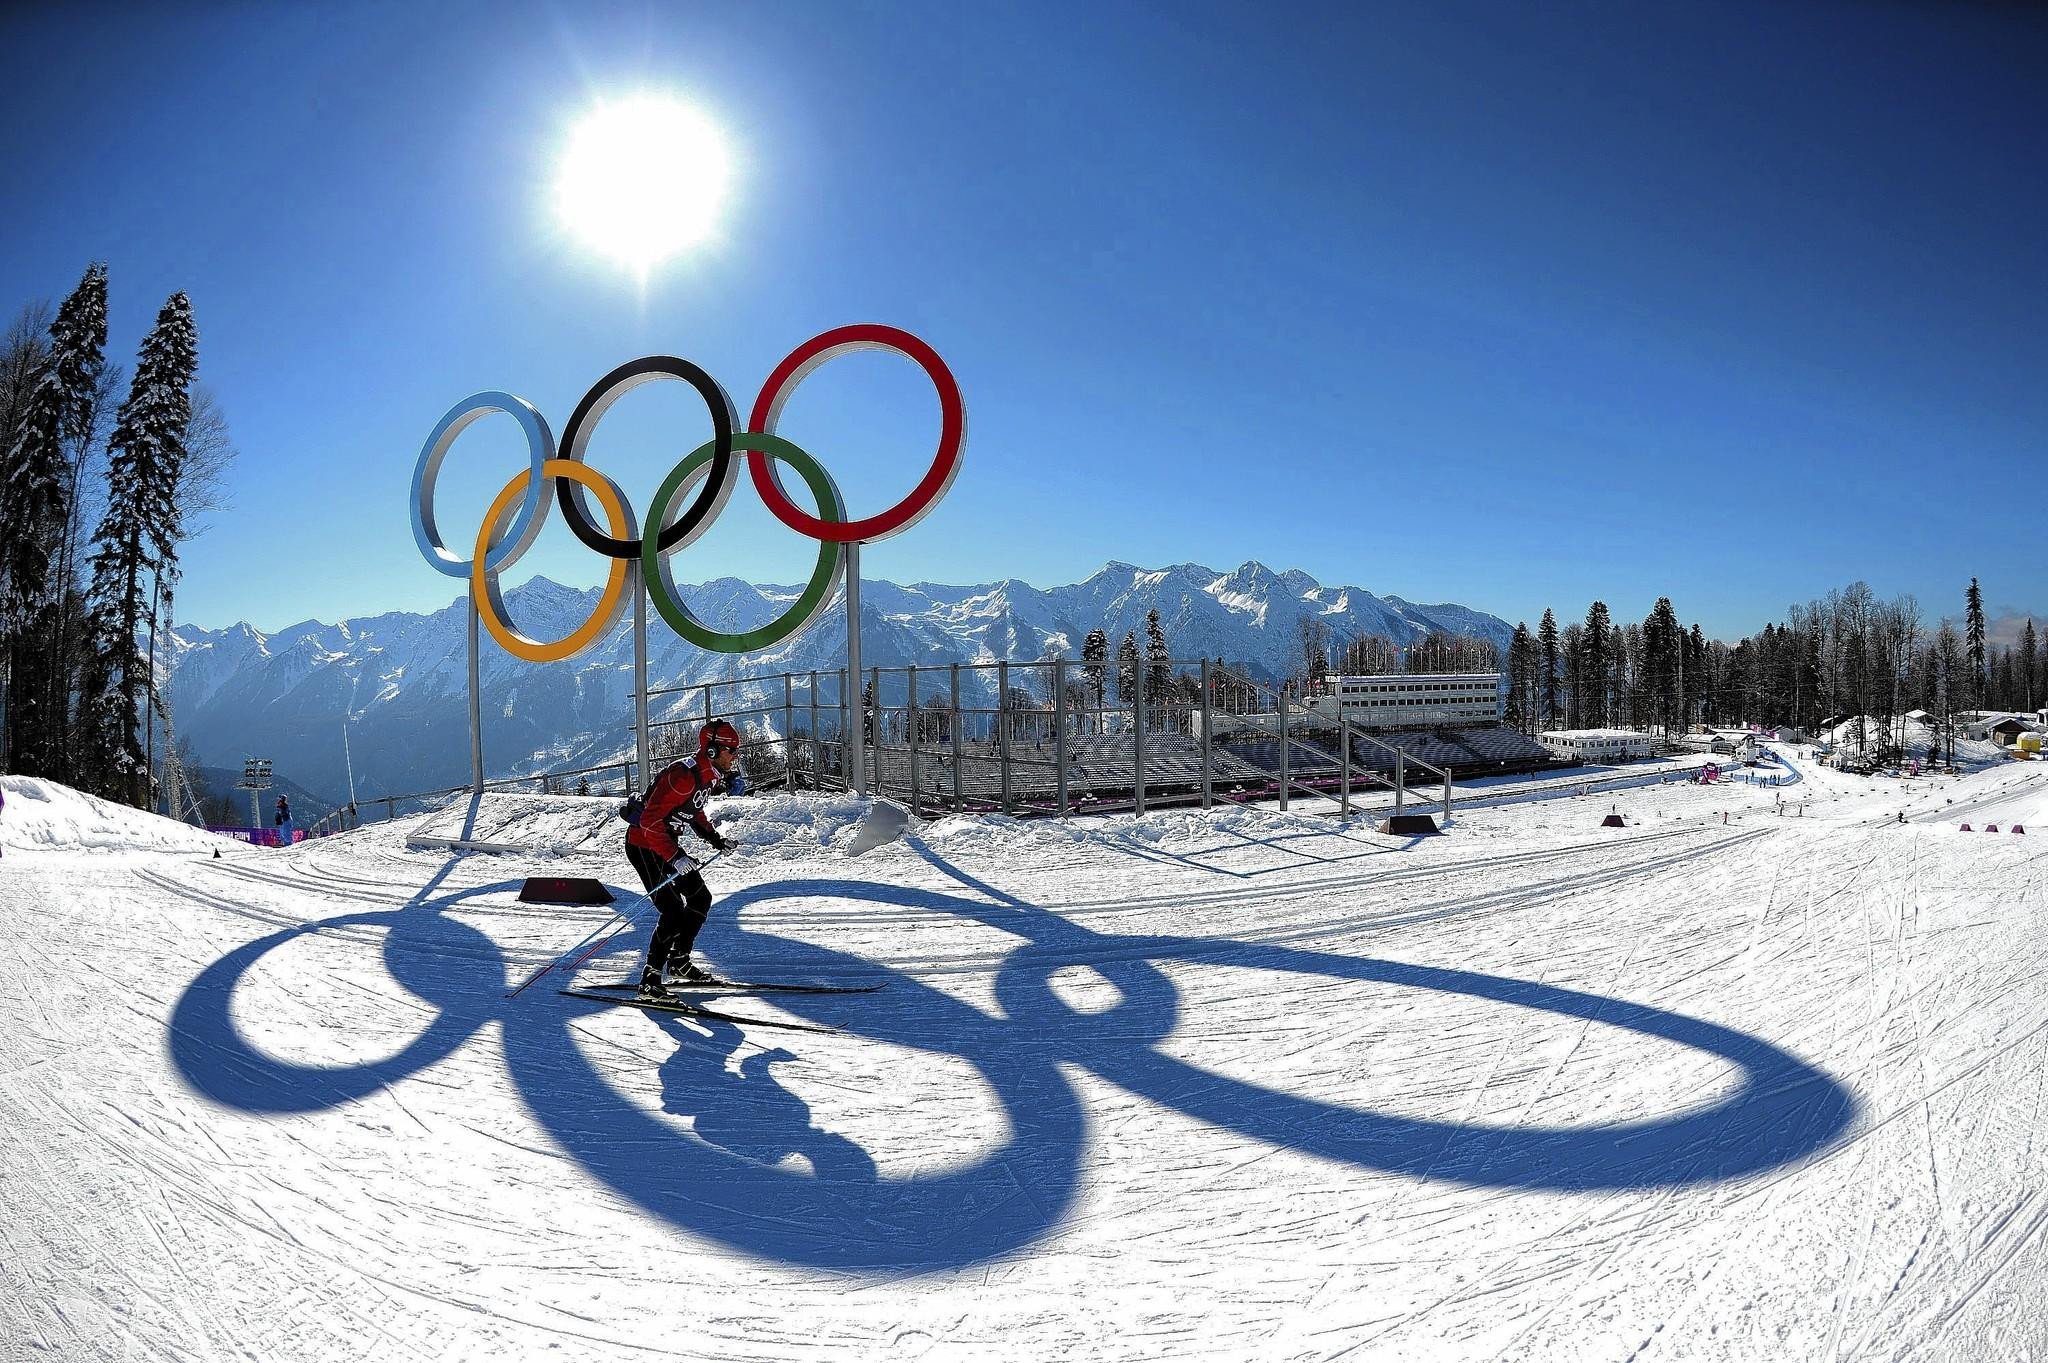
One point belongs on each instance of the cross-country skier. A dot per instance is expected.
(677, 796)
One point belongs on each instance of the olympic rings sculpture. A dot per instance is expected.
(519, 510)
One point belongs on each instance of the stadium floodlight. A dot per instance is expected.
(255, 777)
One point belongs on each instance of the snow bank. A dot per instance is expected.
(546, 825)
(43, 816)
(1004, 839)
(776, 826)
(790, 826)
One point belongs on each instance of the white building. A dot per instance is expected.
(1595, 745)
(1402, 700)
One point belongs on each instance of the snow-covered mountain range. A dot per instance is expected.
(401, 679)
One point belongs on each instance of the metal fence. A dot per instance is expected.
(1054, 737)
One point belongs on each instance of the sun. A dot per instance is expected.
(642, 179)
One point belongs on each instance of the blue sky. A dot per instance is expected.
(1507, 305)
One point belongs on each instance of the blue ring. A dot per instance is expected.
(540, 447)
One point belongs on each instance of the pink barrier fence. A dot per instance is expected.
(261, 837)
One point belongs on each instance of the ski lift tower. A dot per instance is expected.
(255, 780)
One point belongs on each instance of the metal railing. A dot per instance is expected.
(614, 778)
(1052, 737)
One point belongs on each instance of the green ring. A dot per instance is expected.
(817, 591)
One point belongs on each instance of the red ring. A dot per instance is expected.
(808, 356)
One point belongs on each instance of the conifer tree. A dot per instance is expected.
(1697, 681)
(1547, 678)
(1521, 676)
(1095, 669)
(1973, 642)
(1593, 670)
(1127, 669)
(2030, 648)
(1663, 660)
(1573, 649)
(1158, 675)
(135, 548)
(35, 505)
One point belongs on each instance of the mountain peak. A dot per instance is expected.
(544, 588)
(1249, 576)
(1298, 582)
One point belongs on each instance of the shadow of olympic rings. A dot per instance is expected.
(729, 1178)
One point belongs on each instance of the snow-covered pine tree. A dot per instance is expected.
(135, 549)
(1127, 669)
(1095, 665)
(1158, 676)
(35, 501)
(22, 352)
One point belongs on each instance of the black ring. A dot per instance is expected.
(598, 400)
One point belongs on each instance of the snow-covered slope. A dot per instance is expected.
(1917, 738)
(402, 679)
(1756, 1076)
(43, 816)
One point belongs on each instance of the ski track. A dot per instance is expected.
(437, 1217)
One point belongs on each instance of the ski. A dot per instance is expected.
(691, 1010)
(740, 987)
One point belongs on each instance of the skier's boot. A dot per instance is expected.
(652, 990)
(690, 974)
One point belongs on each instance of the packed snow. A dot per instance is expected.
(43, 816)
(1760, 1074)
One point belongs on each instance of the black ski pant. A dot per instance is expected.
(683, 903)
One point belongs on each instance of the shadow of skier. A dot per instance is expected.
(734, 1102)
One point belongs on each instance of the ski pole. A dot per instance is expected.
(620, 912)
(631, 919)
(595, 933)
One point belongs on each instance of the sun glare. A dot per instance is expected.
(642, 179)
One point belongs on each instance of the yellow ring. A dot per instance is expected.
(483, 582)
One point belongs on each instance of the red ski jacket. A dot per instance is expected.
(678, 794)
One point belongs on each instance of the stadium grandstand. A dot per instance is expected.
(1449, 720)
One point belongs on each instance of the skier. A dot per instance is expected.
(284, 812)
(678, 795)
